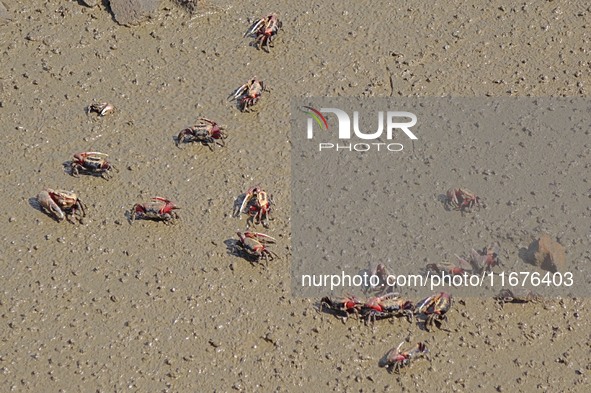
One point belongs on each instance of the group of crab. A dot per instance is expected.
(430, 311)
(263, 31)
(257, 204)
(209, 132)
(62, 204)
(478, 262)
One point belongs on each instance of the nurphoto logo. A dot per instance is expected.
(394, 120)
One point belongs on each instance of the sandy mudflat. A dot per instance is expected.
(108, 307)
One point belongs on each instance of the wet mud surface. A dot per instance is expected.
(109, 306)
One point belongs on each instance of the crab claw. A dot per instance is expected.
(254, 27)
(49, 205)
(181, 135)
(239, 91)
(247, 198)
(83, 155)
(105, 108)
(259, 236)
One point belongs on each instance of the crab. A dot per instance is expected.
(207, 132)
(387, 306)
(93, 163)
(382, 284)
(102, 109)
(61, 204)
(381, 287)
(158, 209)
(461, 199)
(254, 245)
(486, 259)
(433, 310)
(396, 359)
(518, 296)
(343, 306)
(446, 268)
(257, 203)
(264, 30)
(248, 94)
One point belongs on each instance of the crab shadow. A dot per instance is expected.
(67, 165)
(127, 215)
(232, 249)
(34, 203)
(178, 142)
(438, 324)
(524, 255)
(254, 44)
(383, 363)
(181, 142)
(323, 308)
(442, 198)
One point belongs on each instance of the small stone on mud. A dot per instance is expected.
(133, 12)
(547, 254)
(90, 3)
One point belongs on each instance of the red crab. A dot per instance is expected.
(486, 259)
(60, 204)
(461, 199)
(257, 204)
(387, 306)
(248, 94)
(206, 131)
(93, 163)
(381, 285)
(434, 308)
(102, 109)
(343, 306)
(264, 30)
(447, 268)
(396, 359)
(159, 209)
(522, 295)
(254, 245)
